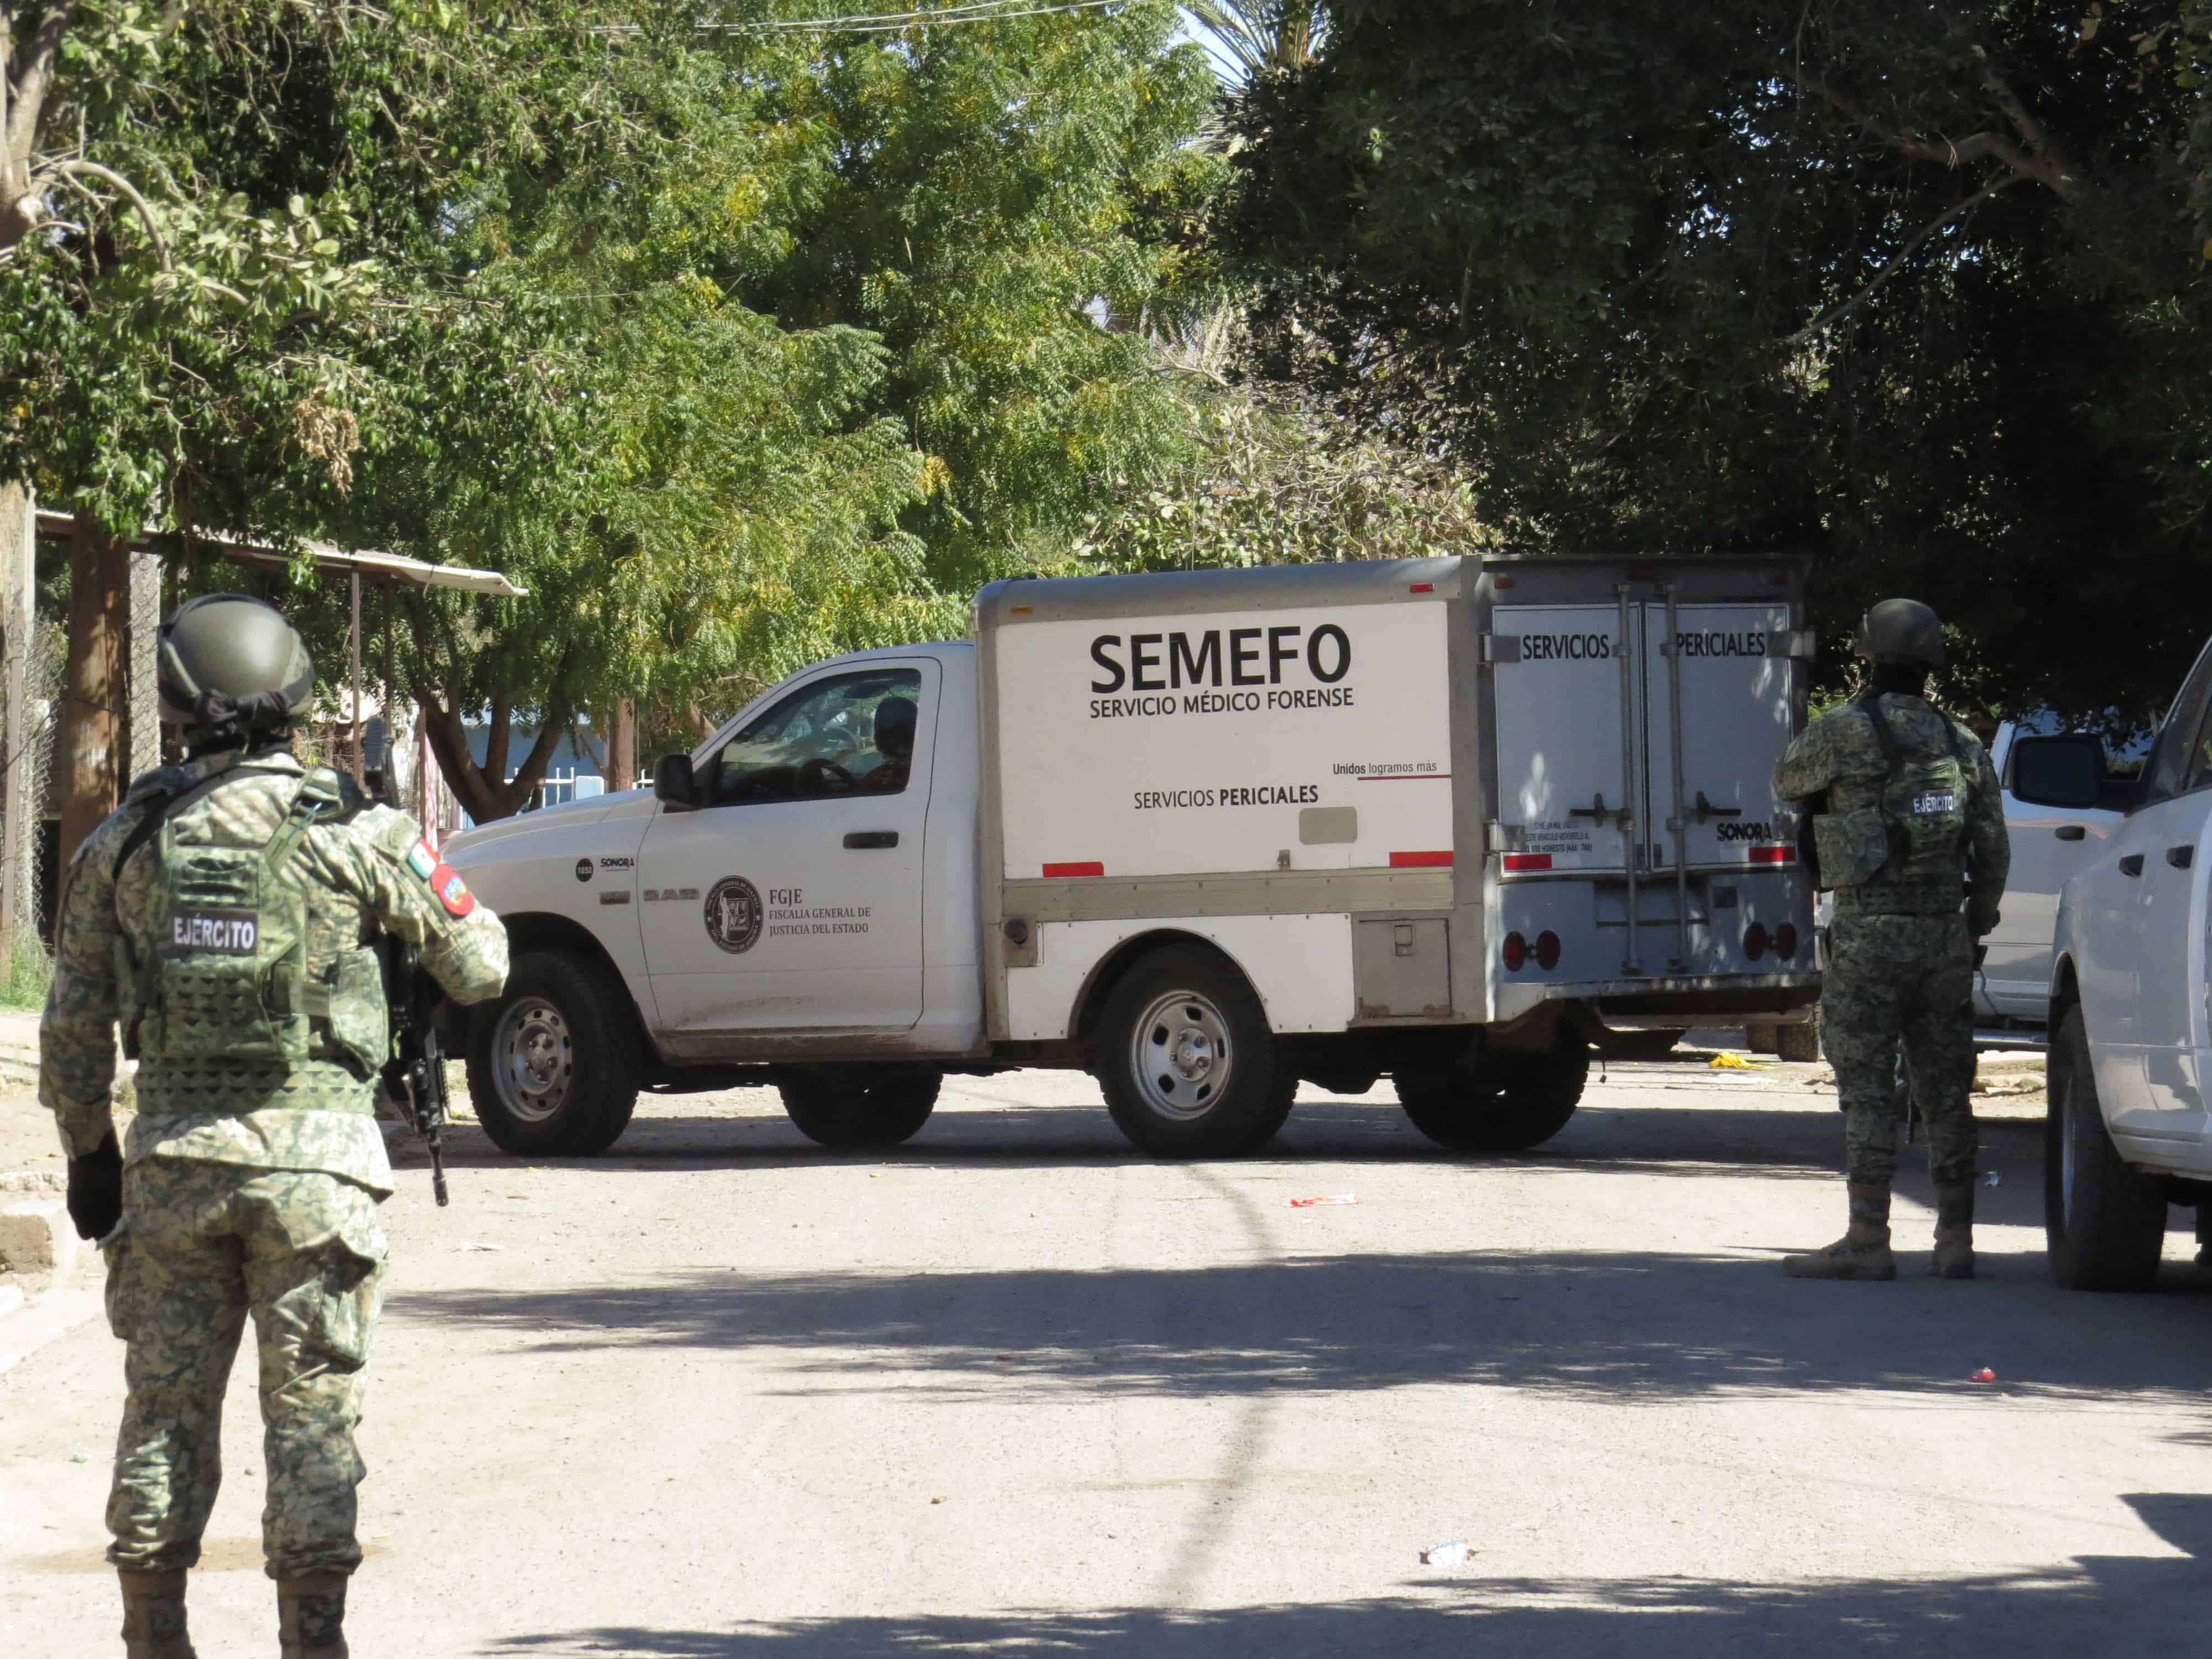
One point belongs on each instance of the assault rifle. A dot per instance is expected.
(415, 1076)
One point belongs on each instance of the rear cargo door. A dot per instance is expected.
(1734, 700)
(1564, 775)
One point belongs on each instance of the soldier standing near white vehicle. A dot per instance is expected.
(1909, 828)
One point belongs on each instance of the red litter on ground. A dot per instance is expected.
(1326, 1198)
(1985, 1374)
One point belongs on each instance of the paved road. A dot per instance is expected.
(1013, 1391)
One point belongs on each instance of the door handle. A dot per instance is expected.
(2131, 865)
(2070, 832)
(870, 841)
(2183, 856)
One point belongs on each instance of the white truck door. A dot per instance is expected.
(2049, 846)
(791, 898)
(1735, 722)
(1565, 777)
(2145, 897)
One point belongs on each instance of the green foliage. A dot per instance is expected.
(1900, 287)
(26, 973)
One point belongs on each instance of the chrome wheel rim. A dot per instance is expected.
(1179, 1055)
(533, 1059)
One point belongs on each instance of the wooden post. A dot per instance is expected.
(621, 747)
(19, 772)
(359, 773)
(93, 684)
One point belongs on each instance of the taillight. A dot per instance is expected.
(1754, 940)
(1516, 952)
(1785, 939)
(1548, 950)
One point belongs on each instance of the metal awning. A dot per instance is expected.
(371, 566)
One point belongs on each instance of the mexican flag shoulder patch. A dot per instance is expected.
(421, 860)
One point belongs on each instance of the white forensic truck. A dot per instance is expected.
(1454, 821)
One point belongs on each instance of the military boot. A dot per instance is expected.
(311, 1616)
(154, 1615)
(1862, 1252)
(1954, 1231)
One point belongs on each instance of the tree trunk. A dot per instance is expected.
(482, 794)
(621, 747)
(19, 774)
(94, 686)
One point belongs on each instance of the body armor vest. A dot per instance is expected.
(1917, 832)
(226, 978)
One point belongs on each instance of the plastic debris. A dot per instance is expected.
(1985, 1374)
(1457, 1553)
(1727, 1062)
(1996, 1180)
(475, 1244)
(80, 1457)
(1324, 1198)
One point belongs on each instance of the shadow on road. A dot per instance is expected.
(1654, 1138)
(1626, 1327)
(2138, 1605)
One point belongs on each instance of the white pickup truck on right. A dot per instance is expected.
(2128, 1132)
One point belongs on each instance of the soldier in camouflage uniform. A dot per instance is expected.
(224, 915)
(1907, 813)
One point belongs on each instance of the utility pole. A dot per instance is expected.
(145, 637)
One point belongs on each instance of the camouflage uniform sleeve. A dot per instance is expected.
(1989, 845)
(77, 1032)
(463, 943)
(1811, 762)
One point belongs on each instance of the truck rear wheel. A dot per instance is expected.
(1799, 1043)
(1186, 1061)
(853, 1106)
(2104, 1225)
(1504, 1103)
(553, 1061)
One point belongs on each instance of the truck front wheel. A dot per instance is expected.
(553, 1061)
(1504, 1103)
(1186, 1061)
(2104, 1225)
(855, 1107)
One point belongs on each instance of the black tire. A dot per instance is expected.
(554, 1060)
(855, 1107)
(1501, 1102)
(1214, 1083)
(1800, 1042)
(2104, 1225)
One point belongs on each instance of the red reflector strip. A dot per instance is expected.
(1772, 855)
(1528, 861)
(1080, 867)
(1418, 861)
(1422, 587)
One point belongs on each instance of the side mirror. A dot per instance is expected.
(2066, 771)
(672, 783)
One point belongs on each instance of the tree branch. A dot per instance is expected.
(1835, 313)
(73, 172)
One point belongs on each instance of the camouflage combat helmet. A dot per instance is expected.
(228, 662)
(1901, 631)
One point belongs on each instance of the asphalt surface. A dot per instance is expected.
(1012, 1389)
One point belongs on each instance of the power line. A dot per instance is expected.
(895, 22)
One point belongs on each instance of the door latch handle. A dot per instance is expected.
(1620, 817)
(2070, 832)
(2183, 856)
(871, 840)
(2131, 865)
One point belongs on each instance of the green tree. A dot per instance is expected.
(1902, 286)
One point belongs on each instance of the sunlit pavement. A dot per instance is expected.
(1012, 1389)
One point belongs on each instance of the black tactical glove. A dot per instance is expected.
(95, 1190)
(1981, 954)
